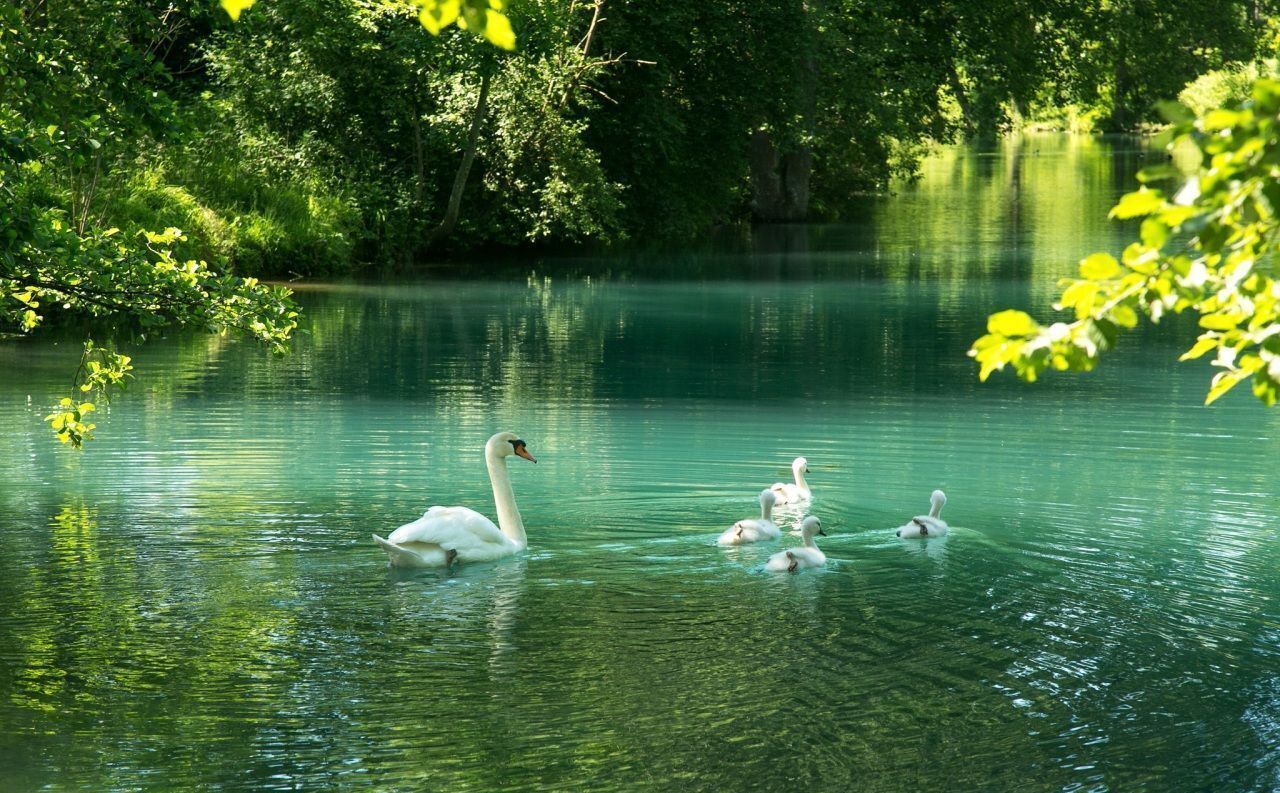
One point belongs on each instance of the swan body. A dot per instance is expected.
(793, 493)
(807, 555)
(927, 525)
(445, 535)
(756, 530)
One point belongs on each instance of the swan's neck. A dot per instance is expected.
(808, 541)
(505, 500)
(766, 511)
(799, 474)
(935, 509)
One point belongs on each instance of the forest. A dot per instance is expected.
(322, 137)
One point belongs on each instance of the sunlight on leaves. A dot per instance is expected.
(1208, 250)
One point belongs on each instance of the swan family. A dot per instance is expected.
(446, 535)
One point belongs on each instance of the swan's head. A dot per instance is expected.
(811, 527)
(800, 465)
(767, 498)
(938, 499)
(505, 444)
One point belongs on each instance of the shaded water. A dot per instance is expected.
(193, 601)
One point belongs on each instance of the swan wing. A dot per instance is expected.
(759, 529)
(809, 557)
(788, 493)
(934, 524)
(778, 562)
(923, 526)
(457, 528)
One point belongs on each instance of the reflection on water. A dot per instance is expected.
(194, 602)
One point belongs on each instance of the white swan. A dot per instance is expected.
(753, 530)
(807, 555)
(448, 534)
(927, 525)
(788, 493)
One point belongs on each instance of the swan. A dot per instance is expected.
(927, 525)
(754, 530)
(445, 535)
(807, 555)
(788, 493)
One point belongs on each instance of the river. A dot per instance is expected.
(194, 602)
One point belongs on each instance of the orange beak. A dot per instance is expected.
(523, 451)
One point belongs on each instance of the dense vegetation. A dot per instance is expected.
(311, 137)
(146, 147)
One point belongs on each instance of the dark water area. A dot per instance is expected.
(193, 602)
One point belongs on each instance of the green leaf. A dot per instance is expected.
(1221, 119)
(1154, 233)
(1011, 323)
(1222, 321)
(235, 7)
(497, 29)
(1079, 297)
(1223, 383)
(1099, 267)
(1203, 345)
(1124, 316)
(436, 15)
(1142, 201)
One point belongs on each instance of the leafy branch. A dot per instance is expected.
(98, 276)
(1208, 248)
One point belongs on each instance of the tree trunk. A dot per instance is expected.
(962, 99)
(1120, 116)
(450, 218)
(419, 159)
(779, 184)
(766, 187)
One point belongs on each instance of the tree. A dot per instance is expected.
(66, 122)
(1209, 247)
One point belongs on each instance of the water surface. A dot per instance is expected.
(193, 602)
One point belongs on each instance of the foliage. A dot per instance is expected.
(1110, 60)
(68, 124)
(1207, 248)
(484, 17)
(55, 271)
(1220, 87)
(359, 94)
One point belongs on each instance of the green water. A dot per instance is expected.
(193, 602)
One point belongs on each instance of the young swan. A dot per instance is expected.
(753, 530)
(788, 493)
(927, 525)
(807, 555)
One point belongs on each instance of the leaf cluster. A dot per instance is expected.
(1206, 244)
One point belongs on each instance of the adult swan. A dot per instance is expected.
(448, 534)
